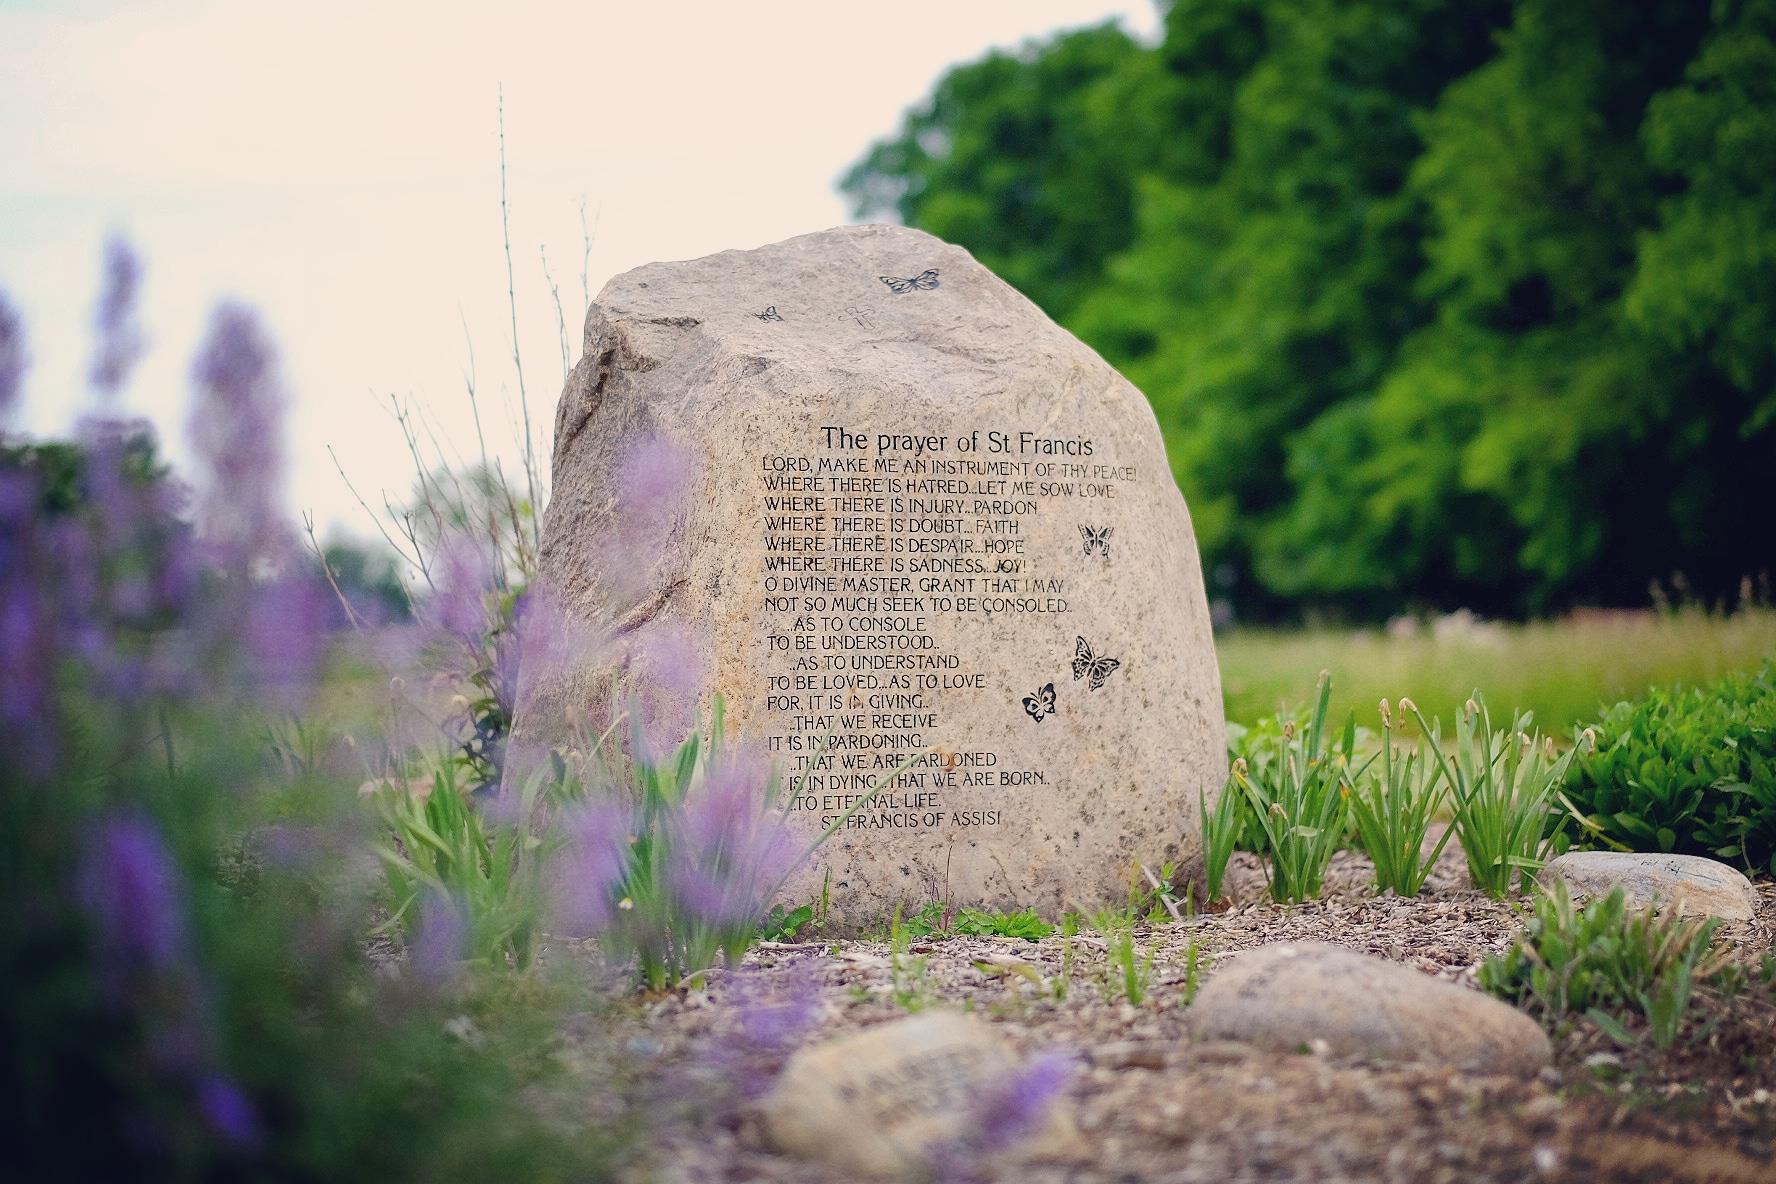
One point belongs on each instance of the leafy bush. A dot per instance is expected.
(1691, 771)
(1605, 958)
(1393, 813)
(1023, 923)
(1298, 790)
(185, 981)
(1503, 785)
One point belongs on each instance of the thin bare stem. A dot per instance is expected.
(560, 313)
(414, 560)
(314, 547)
(530, 473)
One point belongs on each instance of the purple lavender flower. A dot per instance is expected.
(728, 850)
(235, 433)
(29, 627)
(1012, 1109)
(440, 942)
(653, 486)
(665, 677)
(1020, 1104)
(587, 875)
(773, 1012)
(228, 1112)
(12, 355)
(466, 579)
(119, 343)
(286, 635)
(130, 892)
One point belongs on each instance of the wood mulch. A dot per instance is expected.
(1152, 1107)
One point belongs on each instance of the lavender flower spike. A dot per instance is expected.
(12, 355)
(119, 343)
(234, 430)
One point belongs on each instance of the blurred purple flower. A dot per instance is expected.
(29, 625)
(12, 355)
(286, 637)
(130, 892)
(653, 485)
(1011, 1110)
(118, 345)
(773, 1012)
(229, 1112)
(440, 942)
(235, 430)
(588, 873)
(466, 579)
(729, 850)
(664, 680)
(1019, 1105)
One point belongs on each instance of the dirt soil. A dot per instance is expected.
(1151, 1106)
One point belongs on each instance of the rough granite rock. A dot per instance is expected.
(1292, 996)
(905, 1097)
(1698, 887)
(924, 524)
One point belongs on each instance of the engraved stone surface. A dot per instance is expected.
(891, 1100)
(1696, 886)
(926, 525)
(1292, 996)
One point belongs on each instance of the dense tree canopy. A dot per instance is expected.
(1439, 302)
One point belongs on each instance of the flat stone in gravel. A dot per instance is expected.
(894, 1100)
(1295, 996)
(1698, 887)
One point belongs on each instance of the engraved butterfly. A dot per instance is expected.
(770, 314)
(1041, 703)
(1097, 539)
(1086, 663)
(925, 281)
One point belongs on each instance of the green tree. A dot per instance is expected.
(1437, 303)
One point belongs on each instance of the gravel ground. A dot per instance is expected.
(1153, 1107)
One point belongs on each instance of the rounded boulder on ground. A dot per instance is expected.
(1695, 886)
(1297, 996)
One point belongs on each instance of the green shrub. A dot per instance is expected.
(1690, 771)
(1606, 958)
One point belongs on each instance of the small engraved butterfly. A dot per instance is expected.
(925, 280)
(1097, 539)
(770, 314)
(1087, 663)
(1041, 703)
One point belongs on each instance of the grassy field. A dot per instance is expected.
(1562, 670)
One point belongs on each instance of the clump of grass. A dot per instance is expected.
(1605, 959)
(1503, 785)
(1221, 826)
(1393, 813)
(1128, 971)
(910, 982)
(1300, 796)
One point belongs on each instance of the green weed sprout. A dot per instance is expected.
(1220, 830)
(1128, 973)
(1393, 813)
(1300, 797)
(1503, 785)
(1604, 958)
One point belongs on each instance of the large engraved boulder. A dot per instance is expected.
(920, 529)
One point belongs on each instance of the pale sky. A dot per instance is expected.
(336, 164)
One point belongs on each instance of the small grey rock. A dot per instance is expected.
(1294, 995)
(1697, 887)
(883, 1101)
